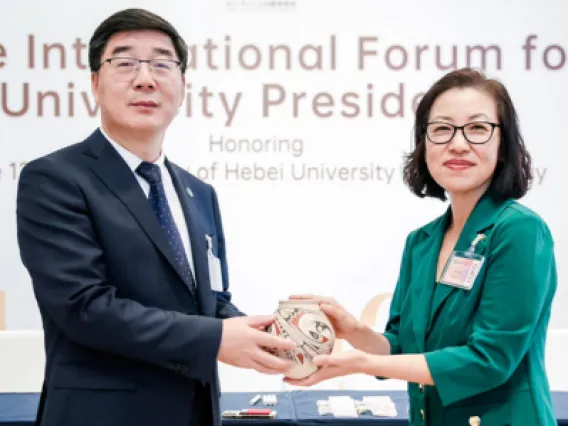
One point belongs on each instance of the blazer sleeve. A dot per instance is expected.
(225, 308)
(393, 324)
(517, 294)
(58, 246)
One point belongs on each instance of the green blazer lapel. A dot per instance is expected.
(423, 280)
(482, 217)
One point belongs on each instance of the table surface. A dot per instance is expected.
(240, 400)
(294, 408)
(304, 403)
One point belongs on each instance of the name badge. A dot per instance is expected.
(215, 276)
(463, 267)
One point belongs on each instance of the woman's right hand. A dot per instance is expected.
(346, 326)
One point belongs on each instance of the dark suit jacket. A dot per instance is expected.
(127, 342)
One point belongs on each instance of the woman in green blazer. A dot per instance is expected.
(470, 311)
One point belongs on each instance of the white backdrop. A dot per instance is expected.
(339, 230)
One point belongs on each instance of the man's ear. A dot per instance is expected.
(95, 85)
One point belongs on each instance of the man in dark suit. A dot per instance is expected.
(126, 253)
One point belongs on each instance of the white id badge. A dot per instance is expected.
(215, 277)
(462, 269)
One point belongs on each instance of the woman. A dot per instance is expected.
(470, 311)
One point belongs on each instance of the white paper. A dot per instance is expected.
(343, 406)
(382, 406)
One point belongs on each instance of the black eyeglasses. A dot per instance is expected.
(476, 132)
(128, 66)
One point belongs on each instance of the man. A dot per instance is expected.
(126, 252)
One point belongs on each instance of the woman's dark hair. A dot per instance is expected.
(133, 20)
(512, 176)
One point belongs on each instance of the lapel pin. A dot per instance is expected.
(189, 192)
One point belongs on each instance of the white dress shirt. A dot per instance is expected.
(133, 162)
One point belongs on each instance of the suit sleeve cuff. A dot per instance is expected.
(443, 375)
(201, 359)
(394, 344)
(394, 348)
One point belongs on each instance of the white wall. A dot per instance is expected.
(338, 237)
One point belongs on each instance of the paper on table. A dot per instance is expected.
(380, 406)
(343, 406)
(339, 406)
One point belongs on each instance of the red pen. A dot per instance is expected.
(257, 411)
(253, 413)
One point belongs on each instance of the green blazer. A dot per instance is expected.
(484, 346)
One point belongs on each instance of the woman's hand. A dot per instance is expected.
(346, 326)
(335, 365)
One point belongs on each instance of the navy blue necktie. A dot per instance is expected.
(159, 203)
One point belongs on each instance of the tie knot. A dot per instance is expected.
(150, 172)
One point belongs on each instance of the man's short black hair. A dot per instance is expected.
(133, 20)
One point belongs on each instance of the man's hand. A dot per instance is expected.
(244, 345)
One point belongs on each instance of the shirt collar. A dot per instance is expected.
(132, 160)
